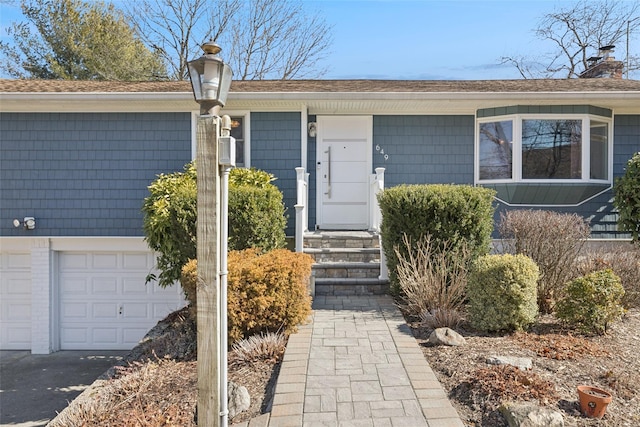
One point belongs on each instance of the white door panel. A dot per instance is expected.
(344, 164)
(15, 301)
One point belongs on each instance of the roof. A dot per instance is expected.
(319, 86)
(321, 96)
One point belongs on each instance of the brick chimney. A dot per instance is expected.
(603, 66)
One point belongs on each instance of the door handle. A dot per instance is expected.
(328, 152)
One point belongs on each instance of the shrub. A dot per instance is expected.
(256, 217)
(433, 282)
(265, 292)
(269, 346)
(627, 198)
(625, 263)
(252, 177)
(170, 213)
(189, 283)
(592, 302)
(553, 240)
(502, 292)
(268, 292)
(448, 213)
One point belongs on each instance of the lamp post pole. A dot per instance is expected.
(211, 80)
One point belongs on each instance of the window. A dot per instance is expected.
(240, 130)
(551, 149)
(237, 131)
(543, 148)
(496, 145)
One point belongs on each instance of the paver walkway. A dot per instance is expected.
(357, 364)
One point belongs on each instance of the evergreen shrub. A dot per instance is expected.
(256, 217)
(448, 214)
(265, 292)
(592, 302)
(627, 198)
(502, 292)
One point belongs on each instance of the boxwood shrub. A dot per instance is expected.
(445, 212)
(502, 292)
(592, 302)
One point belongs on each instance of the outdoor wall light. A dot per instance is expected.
(312, 127)
(29, 223)
(210, 78)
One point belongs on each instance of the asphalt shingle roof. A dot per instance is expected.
(342, 86)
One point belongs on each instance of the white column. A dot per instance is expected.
(42, 300)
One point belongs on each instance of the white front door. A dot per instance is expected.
(343, 169)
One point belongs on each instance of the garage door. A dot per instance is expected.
(105, 303)
(15, 301)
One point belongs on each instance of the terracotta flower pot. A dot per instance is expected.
(593, 401)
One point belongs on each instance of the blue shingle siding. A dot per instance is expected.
(85, 174)
(424, 149)
(275, 147)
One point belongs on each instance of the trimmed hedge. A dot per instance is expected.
(446, 213)
(256, 218)
(265, 292)
(502, 292)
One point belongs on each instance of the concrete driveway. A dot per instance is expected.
(34, 388)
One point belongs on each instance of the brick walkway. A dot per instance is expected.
(357, 364)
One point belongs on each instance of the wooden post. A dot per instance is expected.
(208, 248)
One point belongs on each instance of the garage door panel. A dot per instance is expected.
(15, 301)
(135, 311)
(137, 261)
(133, 285)
(104, 311)
(107, 285)
(104, 262)
(105, 336)
(118, 307)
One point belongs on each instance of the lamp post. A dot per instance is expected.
(215, 155)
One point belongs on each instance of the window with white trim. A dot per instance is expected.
(542, 147)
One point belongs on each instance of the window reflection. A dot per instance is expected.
(551, 149)
(496, 143)
(237, 131)
(599, 150)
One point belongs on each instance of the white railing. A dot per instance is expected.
(377, 185)
(302, 207)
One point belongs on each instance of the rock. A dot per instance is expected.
(529, 415)
(446, 336)
(522, 363)
(238, 399)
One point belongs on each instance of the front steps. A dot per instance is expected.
(346, 262)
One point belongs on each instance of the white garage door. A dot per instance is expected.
(15, 301)
(105, 303)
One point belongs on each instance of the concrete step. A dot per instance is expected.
(353, 286)
(347, 270)
(366, 255)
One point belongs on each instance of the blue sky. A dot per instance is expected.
(425, 39)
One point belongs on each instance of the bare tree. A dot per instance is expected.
(576, 33)
(262, 39)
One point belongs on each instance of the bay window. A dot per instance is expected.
(533, 154)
